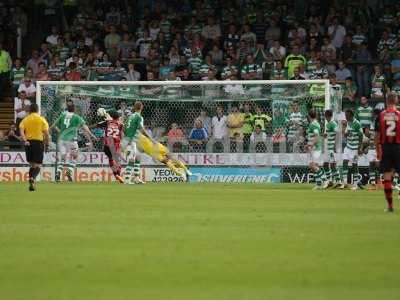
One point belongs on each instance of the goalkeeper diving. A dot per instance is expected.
(156, 150)
(161, 154)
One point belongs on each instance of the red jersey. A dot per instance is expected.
(112, 132)
(388, 126)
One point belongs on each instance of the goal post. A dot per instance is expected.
(263, 135)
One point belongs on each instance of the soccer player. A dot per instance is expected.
(354, 135)
(370, 153)
(113, 129)
(387, 142)
(331, 130)
(161, 153)
(67, 126)
(132, 127)
(314, 147)
(34, 131)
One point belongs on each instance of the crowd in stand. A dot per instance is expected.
(356, 43)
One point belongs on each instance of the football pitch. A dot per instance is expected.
(196, 241)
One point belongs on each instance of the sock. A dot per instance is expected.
(128, 171)
(387, 184)
(328, 173)
(180, 164)
(60, 168)
(136, 168)
(71, 167)
(35, 172)
(372, 175)
(345, 173)
(336, 175)
(318, 176)
(356, 175)
(30, 172)
(173, 168)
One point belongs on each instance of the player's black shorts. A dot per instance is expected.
(390, 158)
(34, 152)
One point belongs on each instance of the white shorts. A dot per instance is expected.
(129, 148)
(371, 156)
(67, 147)
(350, 155)
(330, 156)
(315, 156)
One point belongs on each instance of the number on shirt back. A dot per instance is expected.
(67, 121)
(113, 131)
(390, 128)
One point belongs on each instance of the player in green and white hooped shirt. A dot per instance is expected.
(132, 127)
(331, 130)
(354, 135)
(314, 147)
(370, 153)
(67, 125)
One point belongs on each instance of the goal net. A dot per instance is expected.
(255, 130)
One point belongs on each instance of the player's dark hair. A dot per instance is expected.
(328, 113)
(34, 108)
(350, 112)
(114, 114)
(70, 107)
(312, 114)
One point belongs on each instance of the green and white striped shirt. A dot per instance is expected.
(314, 130)
(331, 130)
(354, 131)
(364, 115)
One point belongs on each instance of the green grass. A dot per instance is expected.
(210, 241)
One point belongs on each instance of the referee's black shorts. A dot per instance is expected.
(390, 158)
(34, 152)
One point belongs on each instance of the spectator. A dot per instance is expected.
(337, 33)
(12, 136)
(28, 87)
(126, 46)
(111, 42)
(17, 73)
(363, 57)
(278, 52)
(132, 74)
(45, 54)
(296, 74)
(247, 126)
(258, 135)
(33, 62)
(198, 137)
(232, 38)
(206, 120)
(359, 36)
(251, 70)
(395, 65)
(21, 107)
(378, 83)
(235, 123)
(249, 37)
(219, 125)
(349, 94)
(342, 72)
(5, 67)
(42, 73)
(211, 32)
(273, 33)
(72, 73)
(259, 118)
(293, 60)
(229, 69)
(175, 133)
(52, 39)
